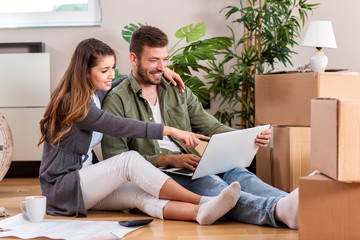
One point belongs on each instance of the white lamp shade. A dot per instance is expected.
(319, 34)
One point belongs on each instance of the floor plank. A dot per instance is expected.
(13, 191)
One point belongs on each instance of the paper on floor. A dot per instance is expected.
(18, 226)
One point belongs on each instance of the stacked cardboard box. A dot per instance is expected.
(284, 100)
(328, 209)
(286, 159)
(329, 205)
(335, 149)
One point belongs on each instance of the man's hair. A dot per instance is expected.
(147, 36)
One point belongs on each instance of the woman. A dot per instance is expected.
(74, 181)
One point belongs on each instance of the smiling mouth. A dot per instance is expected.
(157, 74)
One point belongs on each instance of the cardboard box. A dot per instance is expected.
(264, 167)
(335, 138)
(201, 147)
(287, 159)
(328, 209)
(284, 99)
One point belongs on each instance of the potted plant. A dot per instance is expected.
(269, 29)
(191, 57)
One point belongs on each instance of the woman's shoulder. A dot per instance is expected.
(118, 81)
(102, 94)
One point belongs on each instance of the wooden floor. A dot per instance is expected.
(13, 191)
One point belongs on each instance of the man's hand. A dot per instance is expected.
(263, 139)
(189, 161)
(175, 79)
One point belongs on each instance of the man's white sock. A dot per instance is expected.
(286, 209)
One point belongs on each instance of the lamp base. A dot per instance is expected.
(318, 61)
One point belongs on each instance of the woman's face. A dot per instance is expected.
(102, 74)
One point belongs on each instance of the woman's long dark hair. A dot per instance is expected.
(69, 102)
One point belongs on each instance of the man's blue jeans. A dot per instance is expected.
(257, 200)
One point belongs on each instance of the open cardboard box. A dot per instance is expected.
(285, 99)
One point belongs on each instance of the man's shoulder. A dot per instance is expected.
(175, 89)
(121, 88)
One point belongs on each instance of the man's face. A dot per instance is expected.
(151, 65)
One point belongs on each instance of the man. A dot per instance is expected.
(146, 95)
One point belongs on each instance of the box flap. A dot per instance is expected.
(349, 140)
(340, 85)
(324, 136)
(299, 154)
(281, 158)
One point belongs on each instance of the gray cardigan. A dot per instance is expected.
(59, 176)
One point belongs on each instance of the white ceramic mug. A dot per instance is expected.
(35, 208)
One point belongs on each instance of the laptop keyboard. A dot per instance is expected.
(184, 170)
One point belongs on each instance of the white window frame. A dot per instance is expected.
(92, 17)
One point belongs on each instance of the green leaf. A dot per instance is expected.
(191, 33)
(129, 29)
(118, 74)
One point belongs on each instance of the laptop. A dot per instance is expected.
(224, 152)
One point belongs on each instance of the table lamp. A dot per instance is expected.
(319, 34)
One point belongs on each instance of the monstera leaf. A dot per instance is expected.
(191, 33)
(129, 29)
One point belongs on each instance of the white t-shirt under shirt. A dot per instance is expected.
(95, 140)
(97, 136)
(166, 142)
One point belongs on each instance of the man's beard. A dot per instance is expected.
(141, 72)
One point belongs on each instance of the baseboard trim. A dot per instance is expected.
(20, 169)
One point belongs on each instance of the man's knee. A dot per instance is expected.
(213, 184)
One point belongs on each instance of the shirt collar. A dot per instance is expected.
(134, 84)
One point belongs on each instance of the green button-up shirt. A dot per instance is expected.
(179, 110)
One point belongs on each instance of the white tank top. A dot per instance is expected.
(166, 142)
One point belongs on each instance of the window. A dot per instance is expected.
(49, 13)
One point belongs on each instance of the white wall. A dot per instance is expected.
(345, 19)
(170, 15)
